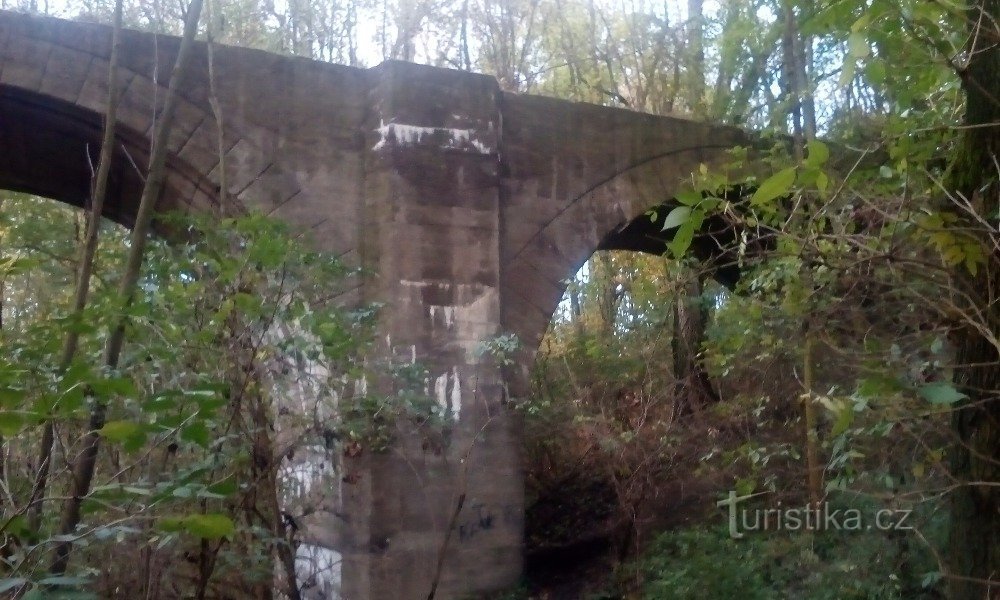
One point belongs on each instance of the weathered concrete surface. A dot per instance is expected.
(471, 205)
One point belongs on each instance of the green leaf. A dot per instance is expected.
(822, 182)
(209, 526)
(875, 72)
(847, 73)
(207, 398)
(745, 486)
(79, 327)
(184, 491)
(940, 392)
(696, 220)
(77, 373)
(11, 397)
(774, 186)
(18, 526)
(682, 240)
(163, 401)
(857, 45)
(845, 416)
(198, 433)
(122, 386)
(676, 218)
(876, 386)
(710, 203)
(226, 487)
(685, 235)
(688, 198)
(818, 153)
(170, 524)
(134, 443)
(11, 422)
(120, 431)
(807, 175)
(247, 304)
(66, 402)
(861, 23)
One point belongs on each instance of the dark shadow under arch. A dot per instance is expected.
(716, 244)
(44, 148)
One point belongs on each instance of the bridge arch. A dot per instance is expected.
(588, 198)
(51, 149)
(53, 94)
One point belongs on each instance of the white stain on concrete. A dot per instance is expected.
(318, 570)
(448, 393)
(416, 284)
(473, 318)
(408, 135)
(447, 314)
(441, 392)
(456, 393)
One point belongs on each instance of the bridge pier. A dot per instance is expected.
(429, 234)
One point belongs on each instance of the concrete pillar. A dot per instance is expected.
(430, 237)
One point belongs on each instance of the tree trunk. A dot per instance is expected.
(576, 311)
(738, 109)
(407, 26)
(605, 274)
(83, 466)
(790, 75)
(696, 57)
(803, 66)
(974, 541)
(695, 390)
(814, 470)
(85, 269)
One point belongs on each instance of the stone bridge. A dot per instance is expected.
(471, 205)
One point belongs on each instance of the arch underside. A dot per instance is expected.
(713, 244)
(51, 148)
(614, 215)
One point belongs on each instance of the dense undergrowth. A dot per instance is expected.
(706, 563)
(624, 490)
